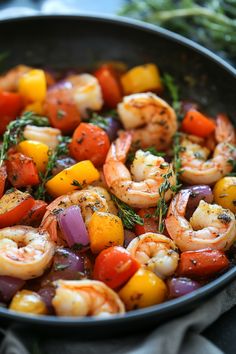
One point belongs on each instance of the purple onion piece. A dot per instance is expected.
(73, 227)
(47, 293)
(8, 287)
(198, 193)
(66, 265)
(129, 236)
(113, 126)
(181, 286)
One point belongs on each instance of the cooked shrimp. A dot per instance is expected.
(25, 252)
(197, 168)
(89, 200)
(147, 172)
(10, 80)
(46, 135)
(156, 252)
(85, 298)
(210, 226)
(152, 120)
(86, 93)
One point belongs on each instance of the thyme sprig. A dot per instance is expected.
(177, 149)
(173, 89)
(15, 131)
(61, 149)
(100, 121)
(162, 206)
(211, 23)
(127, 214)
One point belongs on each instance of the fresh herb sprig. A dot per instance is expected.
(127, 214)
(173, 89)
(211, 23)
(162, 207)
(61, 149)
(100, 121)
(177, 149)
(15, 131)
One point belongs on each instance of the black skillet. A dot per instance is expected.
(82, 41)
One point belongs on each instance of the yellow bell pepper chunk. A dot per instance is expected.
(71, 178)
(33, 86)
(141, 78)
(35, 107)
(37, 151)
(105, 230)
(29, 302)
(225, 193)
(142, 290)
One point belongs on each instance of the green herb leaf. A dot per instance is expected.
(127, 214)
(61, 149)
(14, 131)
(173, 89)
(98, 120)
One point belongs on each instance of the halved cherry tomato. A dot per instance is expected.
(35, 214)
(10, 107)
(110, 85)
(197, 124)
(114, 266)
(202, 263)
(3, 177)
(149, 221)
(21, 171)
(13, 207)
(61, 110)
(89, 142)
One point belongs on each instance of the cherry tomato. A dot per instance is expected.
(202, 263)
(21, 171)
(110, 85)
(61, 110)
(149, 221)
(35, 214)
(13, 207)
(89, 142)
(114, 266)
(10, 107)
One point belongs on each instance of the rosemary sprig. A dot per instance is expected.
(162, 207)
(127, 214)
(61, 149)
(173, 89)
(15, 129)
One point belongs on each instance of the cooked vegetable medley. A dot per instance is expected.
(111, 198)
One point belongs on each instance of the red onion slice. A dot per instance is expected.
(9, 286)
(73, 227)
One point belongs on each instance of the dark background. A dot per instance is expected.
(223, 331)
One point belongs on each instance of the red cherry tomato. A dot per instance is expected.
(10, 107)
(89, 142)
(149, 221)
(110, 85)
(114, 266)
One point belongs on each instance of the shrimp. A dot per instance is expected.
(47, 135)
(89, 200)
(156, 252)
(25, 252)
(9, 81)
(152, 120)
(86, 93)
(197, 168)
(210, 226)
(85, 298)
(147, 171)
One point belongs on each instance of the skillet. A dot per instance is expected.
(82, 41)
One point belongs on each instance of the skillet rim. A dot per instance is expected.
(167, 307)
